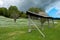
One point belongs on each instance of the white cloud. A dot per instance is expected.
(1, 3)
(55, 4)
(7, 3)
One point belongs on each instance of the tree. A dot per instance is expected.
(14, 12)
(23, 15)
(36, 10)
(4, 11)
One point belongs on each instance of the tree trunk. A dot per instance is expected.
(14, 20)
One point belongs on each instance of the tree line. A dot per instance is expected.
(14, 13)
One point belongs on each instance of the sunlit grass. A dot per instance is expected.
(9, 30)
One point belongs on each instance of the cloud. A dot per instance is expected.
(55, 4)
(34, 3)
(7, 3)
(24, 5)
(1, 3)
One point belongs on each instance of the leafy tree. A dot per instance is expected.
(3, 12)
(23, 15)
(14, 12)
(36, 10)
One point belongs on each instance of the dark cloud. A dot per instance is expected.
(36, 3)
(24, 5)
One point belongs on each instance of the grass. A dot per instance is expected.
(18, 31)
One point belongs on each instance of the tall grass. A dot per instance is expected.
(18, 31)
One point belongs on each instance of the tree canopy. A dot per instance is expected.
(36, 10)
(14, 12)
(3, 11)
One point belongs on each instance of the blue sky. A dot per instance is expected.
(53, 9)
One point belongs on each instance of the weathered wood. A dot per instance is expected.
(38, 28)
(29, 24)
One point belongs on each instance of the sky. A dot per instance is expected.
(53, 10)
(24, 5)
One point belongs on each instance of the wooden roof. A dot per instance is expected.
(43, 14)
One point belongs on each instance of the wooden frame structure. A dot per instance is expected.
(30, 14)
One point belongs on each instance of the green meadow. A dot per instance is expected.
(9, 30)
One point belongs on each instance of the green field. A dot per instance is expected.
(9, 30)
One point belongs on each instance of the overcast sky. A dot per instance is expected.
(24, 5)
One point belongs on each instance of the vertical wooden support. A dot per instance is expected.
(41, 24)
(38, 28)
(53, 22)
(29, 24)
(48, 23)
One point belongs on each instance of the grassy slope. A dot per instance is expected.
(18, 31)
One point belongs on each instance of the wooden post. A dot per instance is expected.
(38, 29)
(48, 23)
(29, 24)
(41, 24)
(53, 22)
